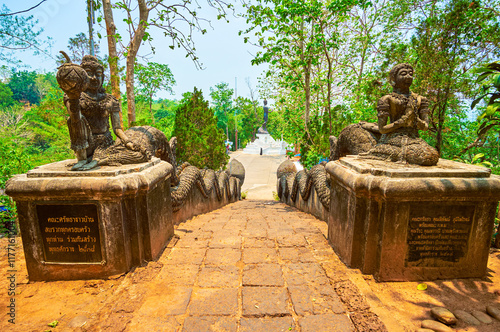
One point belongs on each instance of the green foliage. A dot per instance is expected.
(223, 105)
(6, 99)
(249, 119)
(24, 87)
(18, 33)
(199, 141)
(152, 78)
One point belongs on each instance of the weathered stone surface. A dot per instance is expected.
(367, 321)
(297, 255)
(262, 275)
(182, 274)
(134, 216)
(443, 315)
(265, 301)
(309, 300)
(305, 273)
(186, 256)
(466, 317)
(213, 301)
(278, 324)
(219, 276)
(210, 324)
(223, 256)
(326, 323)
(493, 311)
(259, 255)
(295, 240)
(220, 241)
(435, 326)
(425, 330)
(258, 242)
(350, 296)
(236, 169)
(161, 301)
(369, 196)
(482, 317)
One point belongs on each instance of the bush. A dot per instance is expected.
(199, 141)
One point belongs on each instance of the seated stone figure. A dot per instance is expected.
(397, 141)
(408, 113)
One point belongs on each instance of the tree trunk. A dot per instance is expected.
(439, 135)
(307, 86)
(113, 56)
(151, 108)
(133, 48)
(497, 237)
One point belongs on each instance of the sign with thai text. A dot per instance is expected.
(70, 233)
(438, 233)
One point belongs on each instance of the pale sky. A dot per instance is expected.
(222, 52)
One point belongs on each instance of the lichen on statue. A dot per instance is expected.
(407, 113)
(90, 108)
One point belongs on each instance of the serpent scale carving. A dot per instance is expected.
(291, 183)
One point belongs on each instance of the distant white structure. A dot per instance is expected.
(266, 145)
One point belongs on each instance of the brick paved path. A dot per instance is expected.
(250, 266)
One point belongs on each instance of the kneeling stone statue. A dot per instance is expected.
(90, 108)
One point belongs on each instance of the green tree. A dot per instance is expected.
(24, 87)
(454, 38)
(152, 78)
(199, 141)
(6, 99)
(223, 104)
(18, 33)
(178, 21)
(248, 122)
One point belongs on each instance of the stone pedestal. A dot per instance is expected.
(408, 223)
(265, 144)
(86, 225)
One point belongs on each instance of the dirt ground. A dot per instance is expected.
(398, 304)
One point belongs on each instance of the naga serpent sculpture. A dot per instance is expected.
(291, 183)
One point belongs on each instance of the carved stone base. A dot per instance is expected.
(94, 224)
(407, 223)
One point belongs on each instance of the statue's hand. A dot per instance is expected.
(129, 145)
(422, 125)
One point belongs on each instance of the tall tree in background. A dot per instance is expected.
(173, 19)
(453, 39)
(152, 78)
(112, 51)
(222, 99)
(24, 87)
(199, 141)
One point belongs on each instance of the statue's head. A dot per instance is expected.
(401, 75)
(95, 71)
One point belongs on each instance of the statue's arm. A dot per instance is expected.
(73, 106)
(423, 115)
(383, 107)
(117, 126)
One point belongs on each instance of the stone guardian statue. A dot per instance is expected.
(407, 113)
(90, 108)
